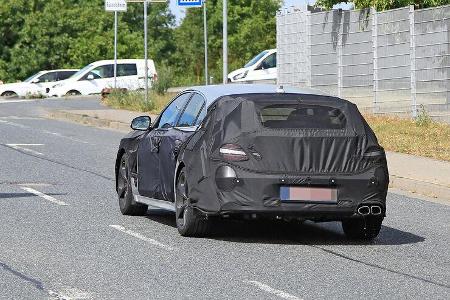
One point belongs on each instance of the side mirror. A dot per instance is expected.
(142, 123)
(37, 80)
(90, 77)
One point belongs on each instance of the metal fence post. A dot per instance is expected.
(412, 53)
(308, 49)
(339, 55)
(375, 59)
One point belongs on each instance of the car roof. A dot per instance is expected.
(60, 70)
(119, 61)
(213, 92)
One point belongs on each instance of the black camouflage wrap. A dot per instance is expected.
(335, 158)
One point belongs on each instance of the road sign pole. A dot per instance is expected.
(145, 51)
(115, 49)
(205, 30)
(225, 42)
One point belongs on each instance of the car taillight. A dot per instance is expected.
(233, 152)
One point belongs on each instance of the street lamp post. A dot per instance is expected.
(225, 42)
(205, 32)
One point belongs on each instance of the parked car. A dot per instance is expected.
(99, 75)
(254, 151)
(36, 84)
(263, 67)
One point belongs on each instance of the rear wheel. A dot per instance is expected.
(189, 222)
(362, 228)
(124, 191)
(73, 93)
(9, 94)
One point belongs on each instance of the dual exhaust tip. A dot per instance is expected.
(366, 210)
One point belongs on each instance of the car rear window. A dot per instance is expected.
(301, 116)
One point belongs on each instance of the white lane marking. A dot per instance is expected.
(271, 290)
(14, 124)
(141, 237)
(16, 101)
(44, 131)
(69, 294)
(44, 196)
(22, 147)
(64, 136)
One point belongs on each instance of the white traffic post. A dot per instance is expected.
(205, 31)
(225, 42)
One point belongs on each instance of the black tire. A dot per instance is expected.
(362, 228)
(73, 93)
(189, 221)
(10, 94)
(127, 204)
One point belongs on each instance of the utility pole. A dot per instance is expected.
(115, 49)
(225, 42)
(205, 32)
(145, 51)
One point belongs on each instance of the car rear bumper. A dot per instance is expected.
(256, 193)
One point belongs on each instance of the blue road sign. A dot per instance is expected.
(190, 3)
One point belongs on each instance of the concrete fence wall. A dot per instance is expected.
(393, 61)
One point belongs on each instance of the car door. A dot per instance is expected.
(127, 76)
(266, 70)
(46, 80)
(174, 137)
(149, 149)
(94, 81)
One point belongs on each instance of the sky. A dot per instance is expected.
(179, 13)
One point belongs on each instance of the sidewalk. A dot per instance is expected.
(410, 173)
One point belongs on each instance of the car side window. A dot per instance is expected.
(171, 114)
(48, 77)
(270, 61)
(62, 75)
(126, 70)
(201, 116)
(192, 111)
(106, 71)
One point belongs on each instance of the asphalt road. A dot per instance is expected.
(62, 235)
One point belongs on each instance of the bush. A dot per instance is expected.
(165, 80)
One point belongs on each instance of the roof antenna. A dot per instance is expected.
(280, 89)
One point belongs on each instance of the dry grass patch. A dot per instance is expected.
(422, 137)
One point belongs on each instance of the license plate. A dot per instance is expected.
(308, 194)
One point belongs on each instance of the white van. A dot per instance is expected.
(263, 67)
(96, 76)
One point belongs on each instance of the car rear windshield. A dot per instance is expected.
(302, 116)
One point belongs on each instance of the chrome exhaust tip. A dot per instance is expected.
(376, 210)
(364, 210)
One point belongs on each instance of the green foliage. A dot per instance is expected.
(251, 29)
(165, 80)
(381, 5)
(40, 34)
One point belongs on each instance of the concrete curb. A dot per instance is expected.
(90, 121)
(420, 187)
(424, 188)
